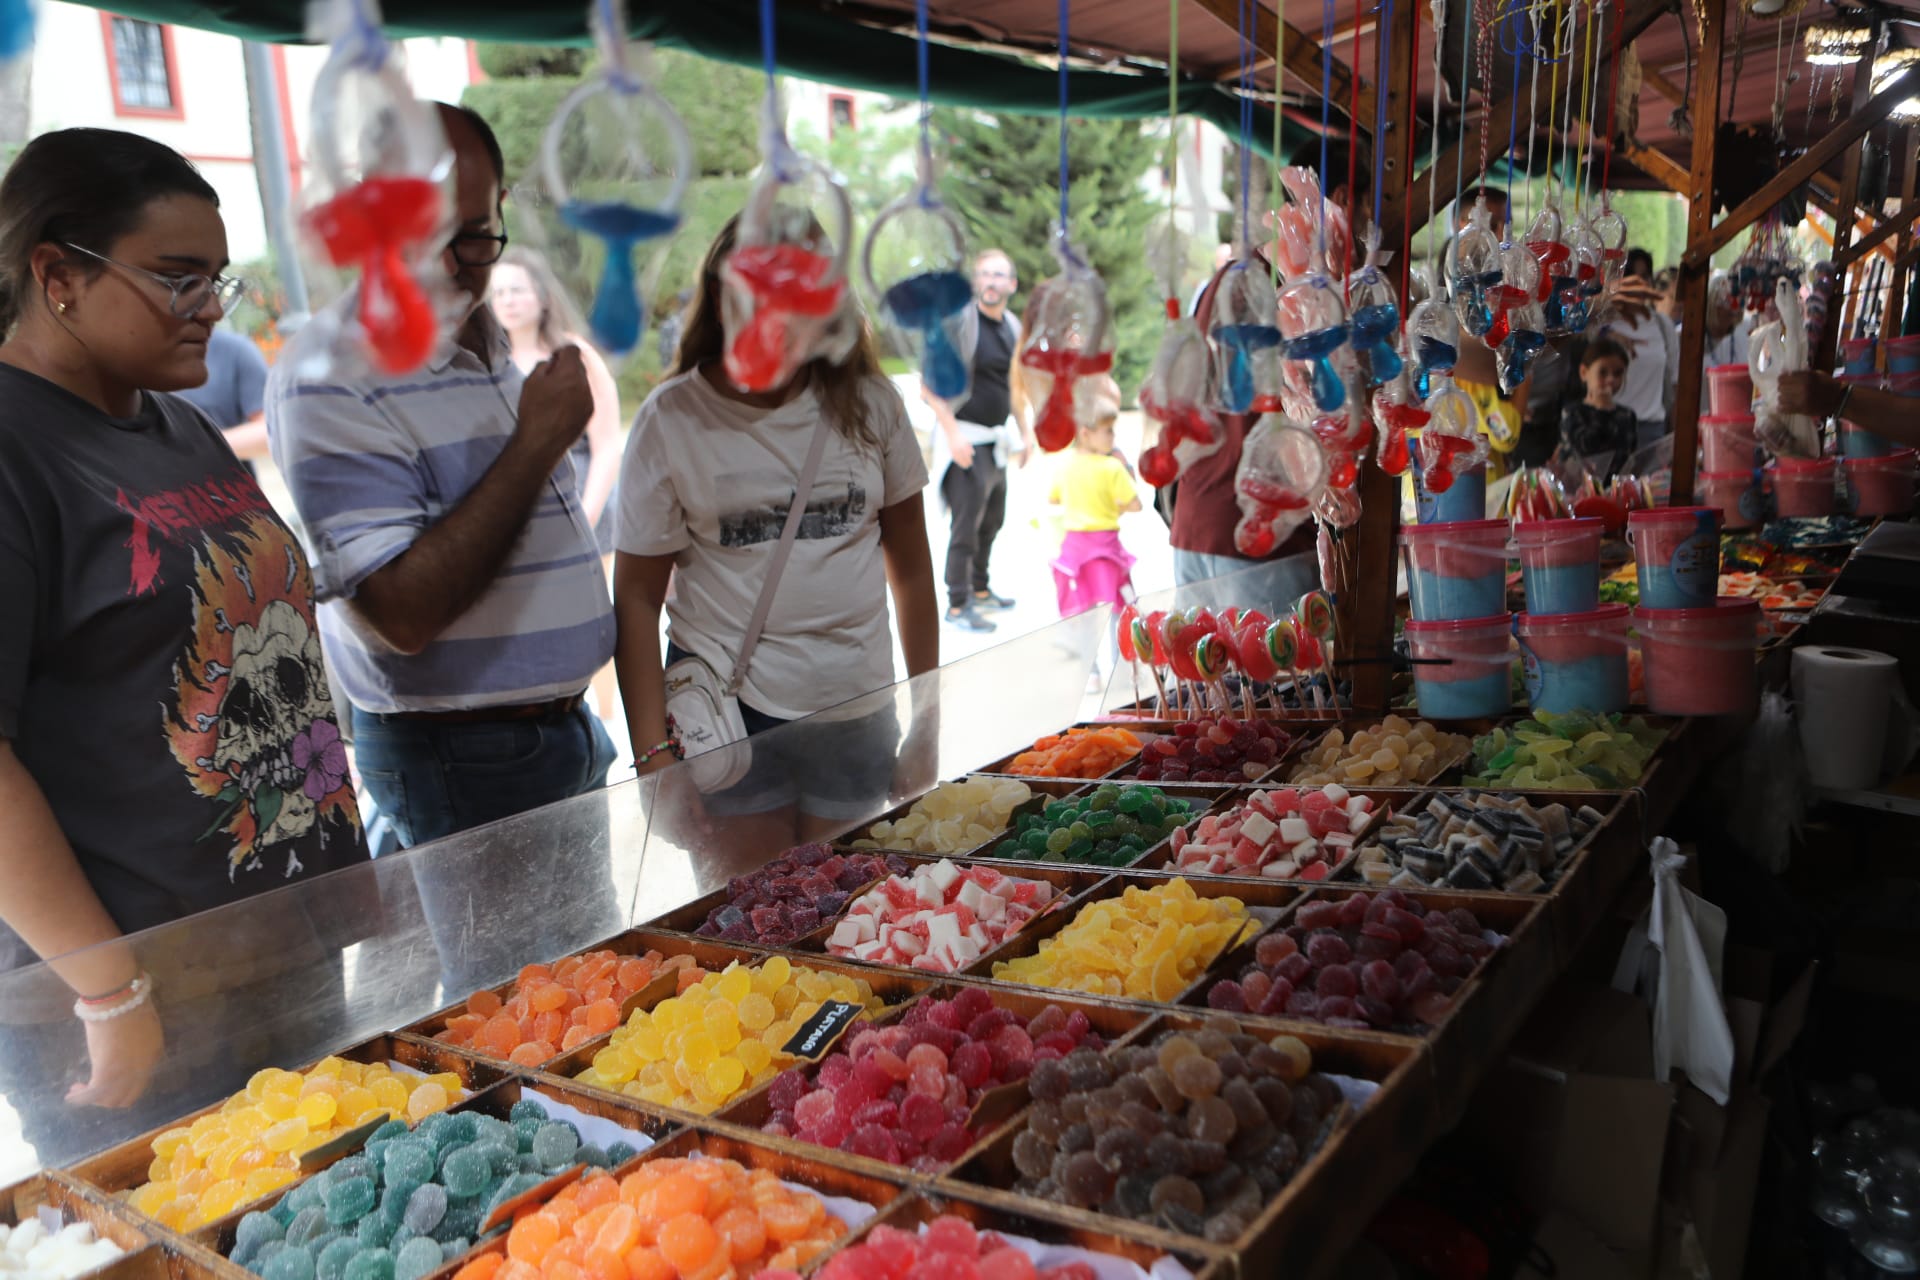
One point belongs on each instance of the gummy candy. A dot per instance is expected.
(671, 1055)
(1210, 749)
(553, 1009)
(952, 818)
(941, 919)
(1077, 753)
(794, 894)
(1477, 840)
(1112, 826)
(1146, 944)
(1418, 750)
(1279, 834)
(1570, 751)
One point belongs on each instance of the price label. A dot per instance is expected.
(817, 1034)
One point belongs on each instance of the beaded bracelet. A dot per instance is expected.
(137, 993)
(665, 744)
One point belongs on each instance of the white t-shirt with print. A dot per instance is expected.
(708, 480)
(1654, 347)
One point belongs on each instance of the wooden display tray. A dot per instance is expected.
(1047, 1224)
(1447, 776)
(1291, 1235)
(1675, 728)
(1146, 730)
(1159, 859)
(1115, 1024)
(1266, 900)
(76, 1202)
(218, 1238)
(1606, 803)
(122, 1169)
(1051, 788)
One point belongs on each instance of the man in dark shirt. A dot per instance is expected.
(971, 447)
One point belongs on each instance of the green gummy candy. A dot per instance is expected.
(466, 1171)
(1058, 841)
(554, 1146)
(257, 1228)
(408, 1162)
(371, 1264)
(306, 1224)
(417, 1257)
(375, 1231)
(332, 1263)
(290, 1263)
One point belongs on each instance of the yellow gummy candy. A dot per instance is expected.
(285, 1135)
(427, 1099)
(317, 1109)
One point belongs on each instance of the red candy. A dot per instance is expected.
(1212, 750)
(948, 1247)
(374, 225)
(1282, 834)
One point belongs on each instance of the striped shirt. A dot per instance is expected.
(373, 462)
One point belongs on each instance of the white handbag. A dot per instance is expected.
(705, 709)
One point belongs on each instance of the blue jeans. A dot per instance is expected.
(434, 778)
(1282, 582)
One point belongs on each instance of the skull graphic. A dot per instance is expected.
(277, 687)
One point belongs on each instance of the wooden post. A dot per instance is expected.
(1850, 193)
(1302, 57)
(1897, 291)
(1363, 589)
(1695, 267)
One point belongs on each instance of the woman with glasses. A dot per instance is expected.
(167, 737)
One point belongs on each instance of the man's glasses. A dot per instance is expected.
(189, 293)
(474, 249)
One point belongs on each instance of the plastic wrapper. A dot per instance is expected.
(1344, 435)
(1069, 337)
(1396, 411)
(917, 247)
(1780, 346)
(637, 159)
(1246, 342)
(1283, 468)
(1297, 246)
(1536, 494)
(379, 203)
(1175, 396)
(1476, 269)
(785, 300)
(1314, 319)
(1451, 442)
(1672, 958)
(1611, 229)
(1374, 306)
(1433, 336)
(1589, 270)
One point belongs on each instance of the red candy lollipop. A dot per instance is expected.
(1124, 629)
(1250, 645)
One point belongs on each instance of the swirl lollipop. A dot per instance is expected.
(1476, 269)
(1212, 660)
(1245, 341)
(1283, 650)
(931, 299)
(784, 293)
(1144, 634)
(1316, 614)
(1376, 314)
(381, 201)
(1175, 392)
(613, 110)
(1451, 442)
(1282, 467)
(1069, 337)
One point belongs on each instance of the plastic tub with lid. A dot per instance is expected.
(1676, 552)
(1575, 661)
(1803, 486)
(1560, 563)
(1456, 570)
(1700, 662)
(1462, 669)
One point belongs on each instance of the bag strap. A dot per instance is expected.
(795, 513)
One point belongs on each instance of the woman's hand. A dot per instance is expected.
(123, 1053)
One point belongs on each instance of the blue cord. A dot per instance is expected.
(1064, 7)
(766, 42)
(926, 102)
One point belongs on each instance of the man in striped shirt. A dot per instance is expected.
(464, 608)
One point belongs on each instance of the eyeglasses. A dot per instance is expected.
(188, 293)
(474, 249)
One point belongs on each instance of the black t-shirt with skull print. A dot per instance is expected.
(160, 672)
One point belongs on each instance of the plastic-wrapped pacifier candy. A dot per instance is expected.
(930, 297)
(1175, 392)
(1476, 269)
(1396, 412)
(1246, 342)
(1282, 469)
(1069, 336)
(1589, 266)
(784, 300)
(1375, 314)
(1611, 230)
(1546, 241)
(1314, 320)
(1450, 443)
(619, 117)
(380, 204)
(1433, 333)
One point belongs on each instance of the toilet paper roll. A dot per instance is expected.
(1842, 700)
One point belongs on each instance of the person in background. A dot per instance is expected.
(168, 741)
(1095, 488)
(1666, 286)
(1639, 263)
(1600, 430)
(708, 480)
(234, 395)
(539, 320)
(1727, 328)
(1653, 350)
(972, 444)
(1478, 373)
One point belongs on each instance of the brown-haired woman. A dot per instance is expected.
(709, 475)
(167, 737)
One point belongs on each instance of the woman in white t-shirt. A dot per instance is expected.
(709, 475)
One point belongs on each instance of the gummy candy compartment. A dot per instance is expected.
(996, 1108)
(1069, 884)
(1565, 865)
(661, 986)
(1161, 858)
(1266, 902)
(1670, 727)
(1043, 789)
(70, 1202)
(687, 918)
(123, 1168)
(1391, 1126)
(999, 767)
(1288, 747)
(1202, 797)
(1450, 755)
(1053, 1226)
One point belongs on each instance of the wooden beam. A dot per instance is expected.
(1657, 165)
(1908, 258)
(1363, 587)
(1863, 98)
(1893, 225)
(1301, 56)
(1659, 83)
(1498, 118)
(1691, 287)
(1897, 290)
(1849, 131)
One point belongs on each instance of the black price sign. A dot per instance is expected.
(817, 1034)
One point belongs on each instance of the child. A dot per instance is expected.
(1096, 489)
(1599, 431)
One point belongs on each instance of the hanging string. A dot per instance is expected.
(1245, 17)
(1064, 6)
(1553, 90)
(1513, 117)
(1533, 96)
(1613, 98)
(766, 43)
(1173, 104)
(1273, 166)
(1466, 93)
(1413, 127)
(1433, 154)
(1326, 120)
(1353, 152)
(1586, 107)
(1567, 160)
(920, 55)
(1486, 86)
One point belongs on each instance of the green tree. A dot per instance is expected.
(999, 176)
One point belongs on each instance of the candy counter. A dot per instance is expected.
(990, 986)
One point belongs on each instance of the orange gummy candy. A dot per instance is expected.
(549, 1004)
(531, 1238)
(483, 1267)
(688, 1242)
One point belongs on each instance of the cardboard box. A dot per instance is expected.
(1576, 1115)
(1716, 1197)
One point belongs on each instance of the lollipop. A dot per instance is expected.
(1212, 659)
(1124, 622)
(1069, 336)
(1282, 467)
(1433, 332)
(381, 199)
(1451, 443)
(1283, 649)
(1476, 269)
(1250, 647)
(1376, 314)
(1316, 615)
(1145, 634)
(1337, 507)
(785, 281)
(931, 300)
(1245, 340)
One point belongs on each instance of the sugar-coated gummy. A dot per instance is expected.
(306, 1224)
(332, 1262)
(466, 1172)
(409, 1162)
(291, 1263)
(619, 1153)
(256, 1229)
(348, 1200)
(426, 1207)
(372, 1264)
(418, 1257)
(555, 1144)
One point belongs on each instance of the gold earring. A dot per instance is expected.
(60, 308)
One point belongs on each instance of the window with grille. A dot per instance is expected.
(141, 69)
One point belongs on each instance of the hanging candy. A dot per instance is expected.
(1175, 392)
(1476, 269)
(1546, 241)
(1314, 321)
(1396, 412)
(1611, 230)
(380, 204)
(1589, 267)
(1282, 469)
(1069, 336)
(1433, 332)
(1245, 340)
(1517, 333)
(1451, 443)
(1376, 314)
(616, 110)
